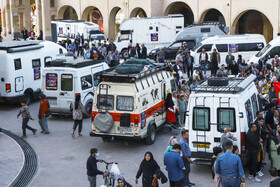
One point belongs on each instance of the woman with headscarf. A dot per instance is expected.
(148, 168)
(170, 109)
(122, 183)
(275, 149)
(78, 110)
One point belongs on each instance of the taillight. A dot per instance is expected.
(136, 121)
(92, 116)
(77, 94)
(8, 88)
(243, 143)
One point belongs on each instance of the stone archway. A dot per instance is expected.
(253, 22)
(93, 14)
(212, 15)
(115, 18)
(67, 12)
(138, 12)
(181, 8)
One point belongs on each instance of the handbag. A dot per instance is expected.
(155, 182)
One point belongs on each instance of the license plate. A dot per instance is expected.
(52, 101)
(201, 145)
(124, 129)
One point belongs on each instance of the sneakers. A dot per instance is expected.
(250, 177)
(256, 179)
(72, 133)
(34, 131)
(260, 174)
(23, 136)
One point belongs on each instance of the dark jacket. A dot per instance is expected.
(112, 47)
(186, 61)
(233, 69)
(144, 52)
(275, 183)
(206, 57)
(92, 167)
(229, 60)
(269, 119)
(252, 142)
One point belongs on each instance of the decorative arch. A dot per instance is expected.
(180, 7)
(252, 22)
(67, 12)
(93, 14)
(113, 26)
(212, 15)
(138, 12)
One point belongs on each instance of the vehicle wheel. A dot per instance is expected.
(106, 138)
(125, 54)
(88, 107)
(151, 135)
(28, 98)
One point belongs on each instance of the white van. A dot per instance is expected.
(212, 108)
(245, 45)
(269, 51)
(131, 106)
(62, 80)
(21, 68)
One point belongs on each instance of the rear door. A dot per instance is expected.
(51, 89)
(66, 92)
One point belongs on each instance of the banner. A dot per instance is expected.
(277, 89)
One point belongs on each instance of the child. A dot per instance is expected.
(25, 118)
(264, 89)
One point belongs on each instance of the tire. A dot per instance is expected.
(88, 108)
(107, 138)
(217, 81)
(103, 122)
(28, 98)
(125, 54)
(151, 135)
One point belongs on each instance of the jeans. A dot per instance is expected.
(44, 124)
(76, 123)
(92, 181)
(176, 183)
(160, 60)
(190, 70)
(186, 172)
(203, 65)
(25, 126)
(182, 117)
(230, 182)
(80, 51)
(253, 161)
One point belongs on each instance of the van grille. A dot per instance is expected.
(125, 120)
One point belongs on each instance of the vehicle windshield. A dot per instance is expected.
(263, 51)
(98, 37)
(197, 47)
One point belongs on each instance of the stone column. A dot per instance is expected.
(38, 15)
(46, 20)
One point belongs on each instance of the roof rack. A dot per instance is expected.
(72, 64)
(236, 84)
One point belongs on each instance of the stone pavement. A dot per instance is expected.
(11, 160)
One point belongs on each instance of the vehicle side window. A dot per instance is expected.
(66, 82)
(86, 82)
(36, 63)
(17, 63)
(250, 46)
(226, 118)
(207, 47)
(190, 44)
(249, 111)
(201, 119)
(125, 103)
(51, 81)
(274, 51)
(124, 37)
(255, 105)
(222, 47)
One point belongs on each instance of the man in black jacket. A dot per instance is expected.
(92, 170)
(253, 147)
(275, 182)
(269, 118)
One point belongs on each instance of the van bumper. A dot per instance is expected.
(201, 158)
(119, 136)
(12, 100)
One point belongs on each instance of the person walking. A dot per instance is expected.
(203, 59)
(44, 107)
(24, 112)
(186, 157)
(144, 51)
(189, 61)
(92, 169)
(24, 33)
(78, 111)
(148, 168)
(215, 61)
(253, 147)
(174, 164)
(229, 166)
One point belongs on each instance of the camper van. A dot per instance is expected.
(153, 32)
(21, 68)
(63, 28)
(215, 104)
(131, 106)
(62, 80)
(268, 52)
(246, 45)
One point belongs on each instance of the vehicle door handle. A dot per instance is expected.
(63, 93)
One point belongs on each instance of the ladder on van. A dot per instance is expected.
(105, 88)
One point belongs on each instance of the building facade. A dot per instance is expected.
(241, 16)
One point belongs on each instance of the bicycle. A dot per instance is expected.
(109, 180)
